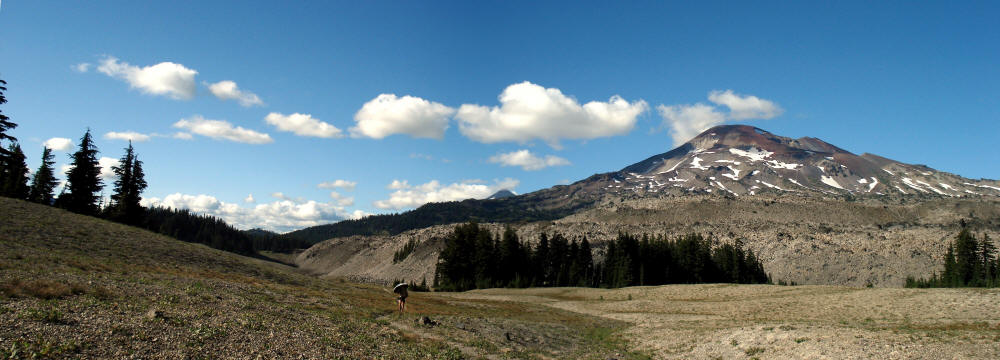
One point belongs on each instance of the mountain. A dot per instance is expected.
(745, 160)
(727, 160)
(501, 194)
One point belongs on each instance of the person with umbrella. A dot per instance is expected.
(400, 290)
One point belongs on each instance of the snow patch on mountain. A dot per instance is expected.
(754, 154)
(831, 181)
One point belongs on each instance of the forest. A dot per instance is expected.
(475, 258)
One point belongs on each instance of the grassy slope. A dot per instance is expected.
(75, 286)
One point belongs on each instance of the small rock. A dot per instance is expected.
(506, 335)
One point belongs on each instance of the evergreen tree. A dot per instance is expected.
(83, 180)
(967, 262)
(988, 256)
(5, 124)
(44, 180)
(15, 173)
(585, 259)
(540, 261)
(511, 259)
(128, 189)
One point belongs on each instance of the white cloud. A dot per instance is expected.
(280, 215)
(687, 121)
(341, 199)
(528, 111)
(387, 114)
(127, 135)
(219, 129)
(745, 107)
(249, 199)
(58, 144)
(303, 125)
(106, 164)
(409, 196)
(81, 67)
(227, 90)
(182, 135)
(396, 184)
(528, 161)
(166, 78)
(339, 183)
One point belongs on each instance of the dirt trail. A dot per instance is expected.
(808, 322)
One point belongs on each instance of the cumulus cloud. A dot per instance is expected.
(58, 144)
(339, 183)
(388, 114)
(249, 199)
(528, 111)
(166, 78)
(410, 196)
(127, 135)
(182, 135)
(303, 125)
(280, 215)
(745, 107)
(528, 161)
(227, 90)
(687, 121)
(81, 67)
(106, 164)
(219, 129)
(341, 199)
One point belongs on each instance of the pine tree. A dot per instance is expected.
(128, 188)
(988, 254)
(44, 180)
(83, 179)
(5, 124)
(540, 260)
(586, 260)
(967, 264)
(15, 173)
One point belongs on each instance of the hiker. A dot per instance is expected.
(400, 290)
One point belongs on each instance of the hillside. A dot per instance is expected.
(727, 160)
(813, 212)
(75, 286)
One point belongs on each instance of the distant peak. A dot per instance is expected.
(501, 194)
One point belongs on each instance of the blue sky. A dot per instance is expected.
(421, 87)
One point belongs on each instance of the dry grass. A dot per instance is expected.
(77, 287)
(734, 321)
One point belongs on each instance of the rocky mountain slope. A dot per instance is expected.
(815, 213)
(744, 160)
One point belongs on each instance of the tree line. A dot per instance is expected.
(474, 258)
(968, 262)
(83, 189)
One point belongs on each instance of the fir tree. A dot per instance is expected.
(44, 180)
(128, 188)
(83, 180)
(5, 124)
(585, 260)
(15, 173)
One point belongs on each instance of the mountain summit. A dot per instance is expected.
(745, 160)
